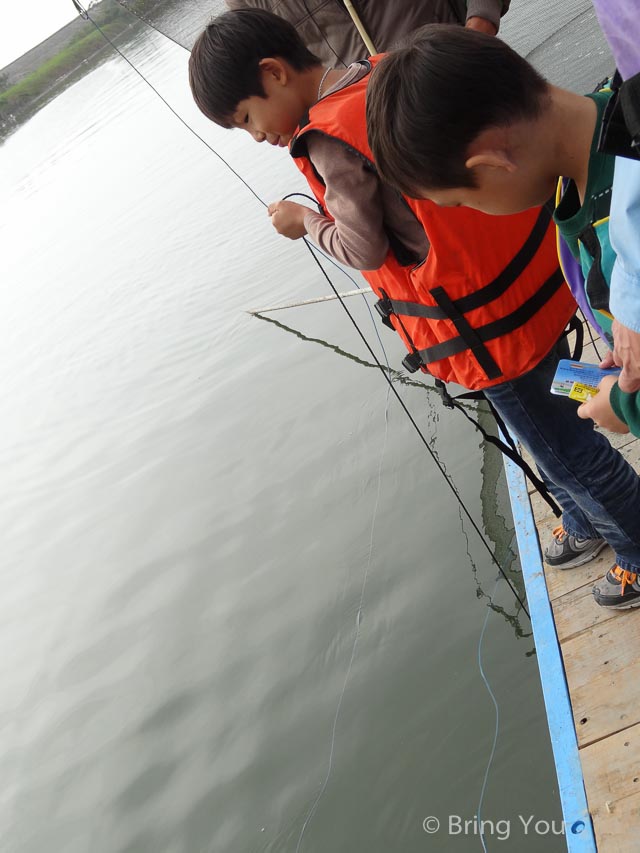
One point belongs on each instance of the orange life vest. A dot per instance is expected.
(489, 301)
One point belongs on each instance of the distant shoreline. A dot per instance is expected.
(45, 71)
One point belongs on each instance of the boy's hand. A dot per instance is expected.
(287, 218)
(599, 409)
(481, 25)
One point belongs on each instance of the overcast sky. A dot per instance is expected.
(25, 23)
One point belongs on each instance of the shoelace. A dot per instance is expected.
(624, 577)
(559, 533)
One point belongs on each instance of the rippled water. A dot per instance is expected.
(197, 503)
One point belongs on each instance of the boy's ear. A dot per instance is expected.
(275, 69)
(491, 148)
(495, 159)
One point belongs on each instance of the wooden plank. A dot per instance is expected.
(577, 611)
(603, 673)
(619, 831)
(599, 650)
(612, 776)
(613, 769)
(562, 581)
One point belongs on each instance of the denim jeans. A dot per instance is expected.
(598, 491)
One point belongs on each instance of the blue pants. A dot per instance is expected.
(598, 491)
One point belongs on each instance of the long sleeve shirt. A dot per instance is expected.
(620, 23)
(363, 208)
(328, 31)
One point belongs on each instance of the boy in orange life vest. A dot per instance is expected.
(509, 135)
(249, 69)
(503, 307)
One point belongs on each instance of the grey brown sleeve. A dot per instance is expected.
(490, 10)
(356, 235)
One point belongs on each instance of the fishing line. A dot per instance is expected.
(497, 726)
(490, 607)
(314, 806)
(87, 17)
(421, 435)
(390, 389)
(147, 23)
(376, 326)
(126, 6)
(85, 14)
(324, 38)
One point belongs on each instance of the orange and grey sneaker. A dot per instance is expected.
(619, 589)
(566, 551)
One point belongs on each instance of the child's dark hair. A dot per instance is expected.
(224, 63)
(429, 100)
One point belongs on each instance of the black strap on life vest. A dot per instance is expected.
(490, 331)
(620, 127)
(491, 291)
(454, 310)
(467, 333)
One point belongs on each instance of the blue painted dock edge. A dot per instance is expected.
(577, 820)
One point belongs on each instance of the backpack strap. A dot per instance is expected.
(620, 128)
(596, 284)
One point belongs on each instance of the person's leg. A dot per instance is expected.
(596, 488)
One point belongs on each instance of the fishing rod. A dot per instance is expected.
(312, 250)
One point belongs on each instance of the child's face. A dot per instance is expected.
(272, 118)
(501, 188)
(497, 197)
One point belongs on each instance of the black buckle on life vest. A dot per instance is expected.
(385, 310)
(412, 362)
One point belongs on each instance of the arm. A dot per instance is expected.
(357, 237)
(626, 407)
(624, 227)
(363, 209)
(484, 15)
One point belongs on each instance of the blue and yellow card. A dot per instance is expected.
(577, 380)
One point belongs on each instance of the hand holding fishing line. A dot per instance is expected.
(287, 217)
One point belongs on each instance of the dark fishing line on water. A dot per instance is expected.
(312, 249)
(387, 374)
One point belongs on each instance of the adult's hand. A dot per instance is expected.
(287, 217)
(481, 25)
(626, 354)
(599, 408)
(608, 361)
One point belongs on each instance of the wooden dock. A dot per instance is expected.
(601, 655)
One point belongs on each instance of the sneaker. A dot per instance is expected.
(619, 589)
(567, 551)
